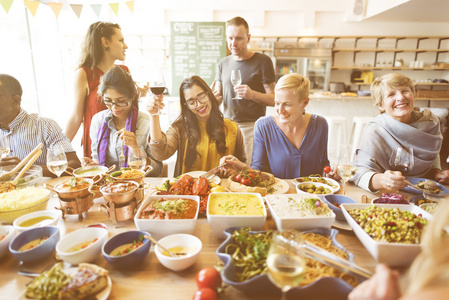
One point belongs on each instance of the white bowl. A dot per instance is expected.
(54, 215)
(161, 228)
(178, 240)
(316, 184)
(77, 237)
(392, 254)
(219, 223)
(7, 233)
(299, 223)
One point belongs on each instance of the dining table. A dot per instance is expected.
(150, 279)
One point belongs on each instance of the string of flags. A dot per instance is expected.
(56, 7)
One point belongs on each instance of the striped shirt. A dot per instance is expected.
(29, 130)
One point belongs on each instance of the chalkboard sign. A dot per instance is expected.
(195, 49)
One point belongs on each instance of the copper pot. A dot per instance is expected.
(120, 198)
(139, 179)
(92, 171)
(70, 195)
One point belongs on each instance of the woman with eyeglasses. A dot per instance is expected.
(122, 125)
(103, 45)
(200, 134)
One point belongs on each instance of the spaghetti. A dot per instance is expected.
(316, 270)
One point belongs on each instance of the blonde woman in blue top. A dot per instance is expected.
(290, 143)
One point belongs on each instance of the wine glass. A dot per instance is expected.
(137, 158)
(56, 160)
(346, 168)
(157, 86)
(285, 261)
(402, 159)
(236, 80)
(4, 147)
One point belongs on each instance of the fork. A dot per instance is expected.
(121, 159)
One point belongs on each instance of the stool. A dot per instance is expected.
(358, 123)
(336, 137)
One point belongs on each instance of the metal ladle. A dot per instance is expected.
(168, 251)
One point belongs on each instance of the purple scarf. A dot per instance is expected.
(104, 132)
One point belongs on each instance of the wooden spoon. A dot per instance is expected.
(168, 251)
(8, 175)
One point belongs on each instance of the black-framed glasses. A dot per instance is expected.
(109, 103)
(200, 98)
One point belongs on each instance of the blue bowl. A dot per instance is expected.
(261, 284)
(129, 260)
(340, 199)
(39, 252)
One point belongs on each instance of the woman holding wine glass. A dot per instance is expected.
(398, 125)
(122, 126)
(200, 135)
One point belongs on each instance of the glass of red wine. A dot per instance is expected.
(402, 159)
(157, 86)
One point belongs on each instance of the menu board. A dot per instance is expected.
(195, 49)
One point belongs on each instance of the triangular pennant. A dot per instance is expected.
(56, 7)
(6, 4)
(32, 6)
(130, 5)
(96, 8)
(77, 8)
(114, 7)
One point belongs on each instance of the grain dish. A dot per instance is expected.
(290, 207)
(24, 198)
(129, 174)
(166, 209)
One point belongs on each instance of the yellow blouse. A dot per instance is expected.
(209, 157)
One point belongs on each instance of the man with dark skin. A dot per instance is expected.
(25, 131)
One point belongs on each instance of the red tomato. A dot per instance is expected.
(208, 278)
(205, 294)
(327, 169)
(238, 177)
(252, 176)
(246, 181)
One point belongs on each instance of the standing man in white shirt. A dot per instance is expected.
(258, 81)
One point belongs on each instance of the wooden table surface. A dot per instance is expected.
(151, 279)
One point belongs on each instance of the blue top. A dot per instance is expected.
(275, 154)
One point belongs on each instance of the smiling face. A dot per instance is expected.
(398, 103)
(112, 96)
(288, 106)
(117, 46)
(202, 111)
(237, 38)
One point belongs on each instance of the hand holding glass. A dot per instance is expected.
(236, 80)
(402, 159)
(285, 261)
(137, 158)
(56, 160)
(157, 87)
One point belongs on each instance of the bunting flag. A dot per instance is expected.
(96, 8)
(114, 7)
(130, 5)
(32, 6)
(77, 8)
(6, 4)
(56, 7)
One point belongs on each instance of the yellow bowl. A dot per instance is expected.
(7, 216)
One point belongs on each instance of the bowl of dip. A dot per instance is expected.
(188, 245)
(235, 210)
(36, 219)
(82, 245)
(127, 249)
(90, 171)
(34, 244)
(7, 233)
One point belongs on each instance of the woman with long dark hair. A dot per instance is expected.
(104, 44)
(122, 127)
(200, 134)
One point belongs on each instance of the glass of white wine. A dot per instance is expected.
(137, 158)
(346, 168)
(285, 261)
(56, 160)
(4, 147)
(236, 80)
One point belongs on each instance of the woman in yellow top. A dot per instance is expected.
(200, 134)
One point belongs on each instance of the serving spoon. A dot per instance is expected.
(177, 254)
(8, 175)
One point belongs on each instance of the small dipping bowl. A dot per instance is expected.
(340, 199)
(179, 263)
(40, 251)
(36, 219)
(129, 260)
(7, 233)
